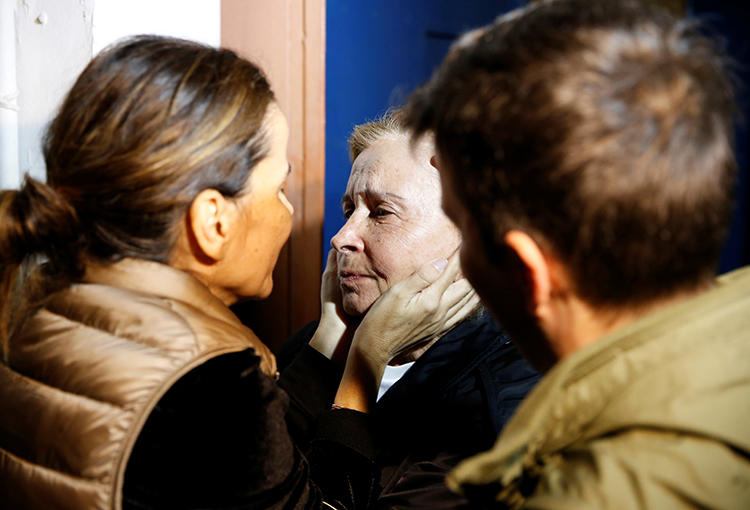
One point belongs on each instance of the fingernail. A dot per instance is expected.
(439, 264)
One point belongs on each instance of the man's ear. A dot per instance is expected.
(538, 273)
(211, 218)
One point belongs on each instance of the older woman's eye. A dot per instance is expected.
(347, 213)
(379, 213)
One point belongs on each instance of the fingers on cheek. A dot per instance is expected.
(383, 285)
(457, 290)
(431, 303)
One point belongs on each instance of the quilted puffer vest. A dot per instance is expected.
(86, 371)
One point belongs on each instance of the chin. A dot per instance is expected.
(264, 291)
(355, 306)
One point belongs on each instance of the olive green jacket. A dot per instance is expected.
(653, 416)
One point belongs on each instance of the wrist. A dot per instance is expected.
(359, 384)
(325, 339)
(366, 346)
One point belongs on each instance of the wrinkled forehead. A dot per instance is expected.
(393, 165)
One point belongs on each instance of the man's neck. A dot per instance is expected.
(579, 323)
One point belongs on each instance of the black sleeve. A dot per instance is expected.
(311, 381)
(419, 483)
(218, 440)
(293, 345)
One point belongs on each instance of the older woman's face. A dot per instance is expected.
(395, 222)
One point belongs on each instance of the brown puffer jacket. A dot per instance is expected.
(86, 371)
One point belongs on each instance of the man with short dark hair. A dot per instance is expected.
(585, 151)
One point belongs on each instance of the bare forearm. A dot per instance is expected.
(325, 339)
(359, 384)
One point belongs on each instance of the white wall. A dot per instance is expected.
(8, 97)
(198, 20)
(53, 41)
(53, 44)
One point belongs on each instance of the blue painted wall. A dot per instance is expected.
(379, 52)
(731, 20)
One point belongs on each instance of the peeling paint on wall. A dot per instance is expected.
(54, 40)
(8, 98)
(53, 45)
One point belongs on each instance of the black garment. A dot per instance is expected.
(218, 439)
(451, 404)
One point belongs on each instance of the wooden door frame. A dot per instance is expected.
(286, 38)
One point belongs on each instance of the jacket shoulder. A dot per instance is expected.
(644, 468)
(124, 313)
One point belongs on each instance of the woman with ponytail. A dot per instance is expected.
(126, 381)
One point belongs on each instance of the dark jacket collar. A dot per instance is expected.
(451, 358)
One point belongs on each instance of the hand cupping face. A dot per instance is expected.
(333, 336)
(416, 311)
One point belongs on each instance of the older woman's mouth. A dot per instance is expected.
(349, 279)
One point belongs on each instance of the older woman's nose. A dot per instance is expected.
(348, 238)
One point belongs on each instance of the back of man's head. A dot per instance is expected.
(604, 130)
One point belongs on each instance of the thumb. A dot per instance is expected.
(331, 263)
(426, 275)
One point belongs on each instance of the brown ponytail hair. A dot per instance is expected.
(33, 221)
(150, 123)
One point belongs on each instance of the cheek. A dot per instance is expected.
(405, 250)
(282, 225)
(391, 259)
(357, 302)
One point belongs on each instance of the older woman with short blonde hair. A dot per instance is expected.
(452, 393)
